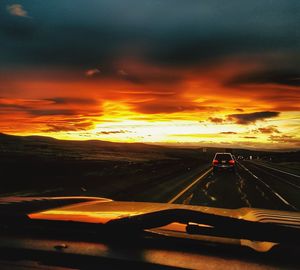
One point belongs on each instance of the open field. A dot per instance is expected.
(141, 172)
(91, 167)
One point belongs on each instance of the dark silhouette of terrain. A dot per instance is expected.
(49, 166)
(88, 167)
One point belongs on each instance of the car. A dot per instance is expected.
(223, 162)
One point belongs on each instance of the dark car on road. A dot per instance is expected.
(223, 161)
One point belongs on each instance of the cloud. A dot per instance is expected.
(239, 110)
(113, 132)
(285, 139)
(247, 118)
(70, 100)
(250, 137)
(68, 126)
(49, 112)
(58, 114)
(187, 36)
(268, 130)
(228, 132)
(122, 72)
(18, 104)
(216, 120)
(51, 106)
(92, 72)
(182, 65)
(12, 106)
(168, 106)
(143, 75)
(17, 10)
(281, 77)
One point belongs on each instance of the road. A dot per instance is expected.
(252, 185)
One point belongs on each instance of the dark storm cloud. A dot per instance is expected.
(152, 78)
(17, 29)
(205, 50)
(79, 34)
(284, 77)
(247, 118)
(212, 32)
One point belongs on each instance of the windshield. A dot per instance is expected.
(182, 102)
(226, 157)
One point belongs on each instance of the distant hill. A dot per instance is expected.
(97, 168)
(47, 147)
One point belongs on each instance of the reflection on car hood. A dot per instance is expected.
(102, 210)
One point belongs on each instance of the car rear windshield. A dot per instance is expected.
(223, 157)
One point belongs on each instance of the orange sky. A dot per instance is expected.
(196, 107)
(198, 73)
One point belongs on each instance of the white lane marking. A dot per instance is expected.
(259, 164)
(190, 186)
(276, 194)
(276, 176)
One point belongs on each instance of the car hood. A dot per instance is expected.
(102, 210)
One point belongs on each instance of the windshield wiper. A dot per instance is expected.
(216, 225)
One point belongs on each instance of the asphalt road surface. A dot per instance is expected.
(252, 185)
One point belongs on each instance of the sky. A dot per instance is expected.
(186, 72)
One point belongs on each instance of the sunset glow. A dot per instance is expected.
(243, 96)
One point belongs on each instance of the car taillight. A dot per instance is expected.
(215, 161)
(231, 161)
